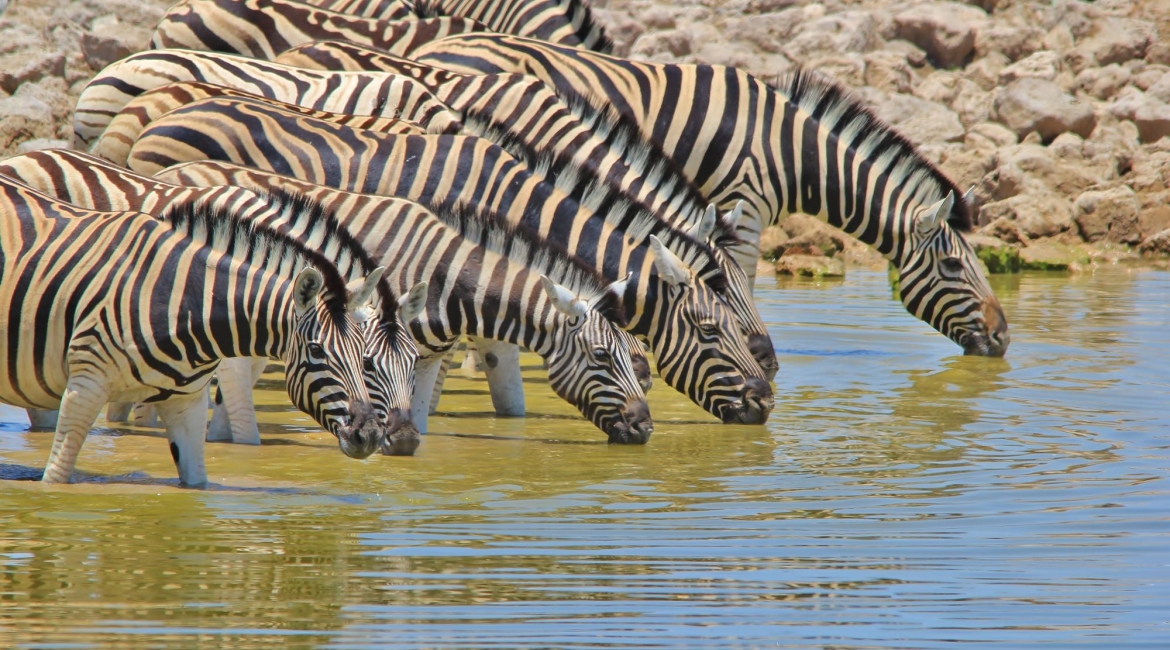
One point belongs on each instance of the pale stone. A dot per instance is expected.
(888, 71)
(945, 30)
(1044, 64)
(811, 266)
(676, 42)
(17, 69)
(1013, 42)
(40, 144)
(1039, 106)
(919, 120)
(1027, 216)
(1108, 215)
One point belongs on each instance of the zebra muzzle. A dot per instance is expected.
(635, 426)
(364, 433)
(402, 437)
(755, 403)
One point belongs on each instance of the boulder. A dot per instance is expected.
(41, 143)
(997, 255)
(675, 42)
(811, 266)
(1068, 146)
(1053, 256)
(985, 70)
(1105, 82)
(1024, 217)
(1153, 121)
(1148, 78)
(990, 135)
(1154, 220)
(1013, 42)
(1040, 106)
(915, 55)
(847, 68)
(812, 236)
(919, 120)
(109, 40)
(1158, 244)
(945, 30)
(26, 107)
(658, 18)
(16, 69)
(772, 241)
(889, 71)
(770, 32)
(1044, 64)
(1108, 215)
(1117, 40)
(848, 31)
(1160, 89)
(621, 28)
(737, 7)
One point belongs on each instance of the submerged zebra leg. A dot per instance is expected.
(145, 415)
(119, 411)
(501, 363)
(234, 413)
(81, 403)
(41, 419)
(185, 418)
(440, 379)
(426, 369)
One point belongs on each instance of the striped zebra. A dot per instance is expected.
(409, 241)
(352, 93)
(265, 28)
(84, 181)
(504, 290)
(532, 123)
(674, 302)
(214, 24)
(491, 115)
(114, 144)
(802, 146)
(120, 306)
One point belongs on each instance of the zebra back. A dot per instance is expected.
(375, 94)
(265, 28)
(115, 142)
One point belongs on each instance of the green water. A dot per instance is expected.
(901, 496)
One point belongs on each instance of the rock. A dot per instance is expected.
(1059, 39)
(990, 135)
(985, 71)
(810, 266)
(1153, 220)
(41, 143)
(27, 107)
(1013, 42)
(16, 69)
(845, 32)
(675, 42)
(738, 7)
(919, 120)
(945, 30)
(1158, 244)
(1041, 165)
(1108, 215)
(811, 236)
(1160, 89)
(915, 55)
(1068, 146)
(847, 69)
(1117, 40)
(889, 71)
(1024, 217)
(1037, 105)
(772, 241)
(1153, 121)
(1148, 78)
(658, 18)
(1052, 256)
(1105, 82)
(966, 168)
(621, 28)
(769, 32)
(997, 255)
(1044, 64)
(101, 51)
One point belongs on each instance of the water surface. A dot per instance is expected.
(901, 496)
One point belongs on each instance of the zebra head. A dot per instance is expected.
(325, 362)
(389, 363)
(700, 349)
(589, 364)
(718, 233)
(943, 284)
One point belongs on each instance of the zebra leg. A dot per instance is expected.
(234, 415)
(42, 419)
(502, 364)
(145, 415)
(440, 379)
(185, 418)
(119, 411)
(81, 403)
(426, 369)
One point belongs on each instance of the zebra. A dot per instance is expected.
(507, 288)
(214, 23)
(122, 132)
(122, 306)
(803, 145)
(85, 181)
(374, 94)
(114, 144)
(233, 26)
(674, 303)
(528, 120)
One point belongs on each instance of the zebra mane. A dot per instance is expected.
(835, 108)
(424, 9)
(217, 227)
(581, 8)
(635, 221)
(522, 246)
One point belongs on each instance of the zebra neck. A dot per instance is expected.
(257, 318)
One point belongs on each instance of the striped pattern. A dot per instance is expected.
(804, 146)
(575, 147)
(115, 142)
(265, 28)
(119, 306)
(375, 94)
(698, 345)
(82, 180)
(496, 294)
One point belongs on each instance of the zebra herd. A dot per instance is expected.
(352, 186)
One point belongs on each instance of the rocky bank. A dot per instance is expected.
(1058, 113)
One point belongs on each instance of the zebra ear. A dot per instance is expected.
(360, 292)
(702, 229)
(414, 303)
(306, 287)
(562, 299)
(609, 304)
(731, 219)
(617, 288)
(668, 265)
(932, 217)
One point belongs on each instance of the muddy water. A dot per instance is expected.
(901, 496)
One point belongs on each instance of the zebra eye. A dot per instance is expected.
(601, 355)
(368, 364)
(316, 350)
(952, 267)
(708, 329)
